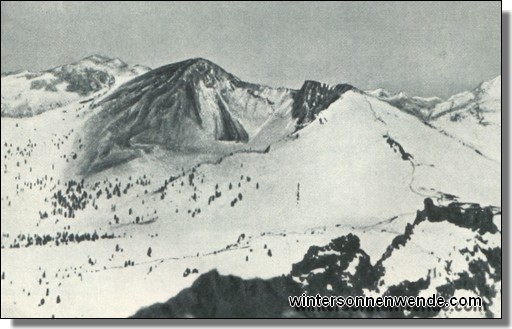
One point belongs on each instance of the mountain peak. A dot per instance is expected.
(201, 61)
(98, 58)
(492, 86)
(380, 93)
(205, 70)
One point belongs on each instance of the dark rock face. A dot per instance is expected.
(340, 268)
(216, 296)
(398, 148)
(193, 105)
(186, 106)
(313, 98)
(157, 104)
(475, 279)
(86, 82)
(334, 261)
(467, 215)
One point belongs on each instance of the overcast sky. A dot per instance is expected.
(436, 48)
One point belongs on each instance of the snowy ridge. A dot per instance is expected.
(471, 117)
(31, 93)
(474, 118)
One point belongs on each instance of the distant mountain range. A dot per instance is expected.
(484, 99)
(417, 106)
(27, 93)
(473, 117)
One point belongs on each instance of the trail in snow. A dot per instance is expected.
(250, 241)
(444, 132)
(377, 118)
(411, 161)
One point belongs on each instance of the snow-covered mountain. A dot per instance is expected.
(471, 117)
(415, 105)
(481, 103)
(30, 93)
(189, 170)
(197, 106)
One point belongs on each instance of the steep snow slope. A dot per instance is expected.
(30, 93)
(474, 117)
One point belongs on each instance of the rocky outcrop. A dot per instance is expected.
(342, 264)
(342, 268)
(467, 215)
(221, 296)
(313, 98)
